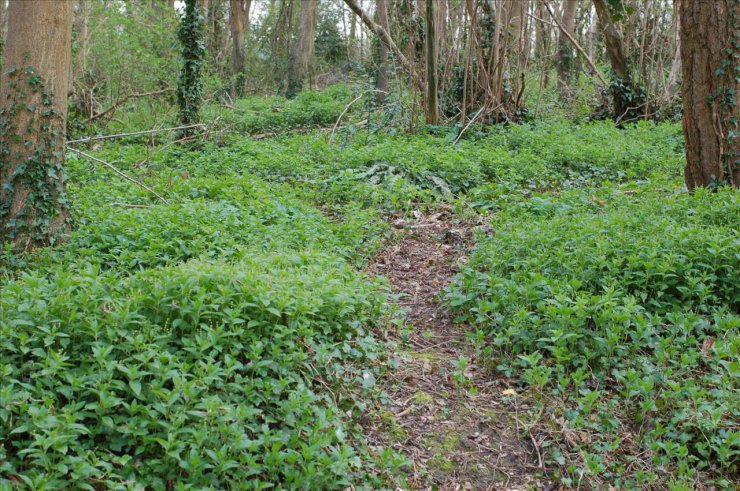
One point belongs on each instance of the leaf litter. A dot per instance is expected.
(459, 425)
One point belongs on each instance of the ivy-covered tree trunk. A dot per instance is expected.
(33, 116)
(302, 52)
(710, 61)
(190, 34)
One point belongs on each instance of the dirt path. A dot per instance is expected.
(447, 414)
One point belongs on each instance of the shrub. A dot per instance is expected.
(206, 373)
(222, 340)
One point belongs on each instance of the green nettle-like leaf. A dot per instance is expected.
(628, 290)
(228, 338)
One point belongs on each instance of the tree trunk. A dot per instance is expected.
(33, 116)
(384, 37)
(239, 13)
(82, 26)
(432, 105)
(2, 26)
(593, 30)
(542, 41)
(217, 41)
(382, 84)
(710, 87)
(613, 41)
(672, 82)
(189, 87)
(626, 96)
(302, 54)
(565, 50)
(353, 35)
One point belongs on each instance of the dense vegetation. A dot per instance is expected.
(208, 314)
(229, 335)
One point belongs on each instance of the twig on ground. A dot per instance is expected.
(125, 99)
(336, 125)
(110, 166)
(480, 111)
(136, 133)
(130, 205)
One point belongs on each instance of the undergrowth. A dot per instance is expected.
(221, 340)
(622, 303)
(228, 338)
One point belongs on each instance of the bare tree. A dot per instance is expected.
(384, 36)
(382, 84)
(239, 16)
(625, 94)
(432, 103)
(565, 50)
(33, 107)
(672, 82)
(302, 52)
(710, 88)
(2, 21)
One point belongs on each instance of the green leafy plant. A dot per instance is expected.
(632, 291)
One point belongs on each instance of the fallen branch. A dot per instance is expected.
(129, 205)
(136, 133)
(336, 125)
(262, 136)
(126, 98)
(110, 166)
(471, 122)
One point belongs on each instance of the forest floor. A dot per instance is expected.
(460, 427)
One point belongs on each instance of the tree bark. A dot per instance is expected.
(302, 52)
(382, 84)
(541, 33)
(432, 105)
(217, 40)
(565, 51)
(626, 95)
(239, 16)
(2, 26)
(710, 87)
(82, 26)
(593, 30)
(613, 41)
(33, 115)
(353, 35)
(672, 82)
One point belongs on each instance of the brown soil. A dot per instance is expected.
(456, 423)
